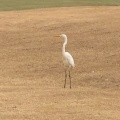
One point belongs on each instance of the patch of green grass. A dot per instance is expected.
(31, 4)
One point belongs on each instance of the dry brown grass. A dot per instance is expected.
(32, 76)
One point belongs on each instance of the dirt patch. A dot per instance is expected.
(32, 76)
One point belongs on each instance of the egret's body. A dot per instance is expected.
(68, 60)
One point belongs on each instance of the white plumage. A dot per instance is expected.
(68, 60)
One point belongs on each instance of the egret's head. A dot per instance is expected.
(62, 36)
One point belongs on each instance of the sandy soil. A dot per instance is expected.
(31, 70)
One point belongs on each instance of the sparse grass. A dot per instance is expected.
(31, 4)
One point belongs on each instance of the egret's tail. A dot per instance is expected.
(73, 65)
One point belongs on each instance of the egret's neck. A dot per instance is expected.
(64, 44)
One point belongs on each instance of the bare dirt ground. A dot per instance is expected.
(31, 70)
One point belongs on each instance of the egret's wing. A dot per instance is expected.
(70, 59)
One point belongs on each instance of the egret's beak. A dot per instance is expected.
(57, 36)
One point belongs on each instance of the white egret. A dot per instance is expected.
(68, 60)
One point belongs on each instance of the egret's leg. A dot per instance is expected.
(70, 79)
(65, 78)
